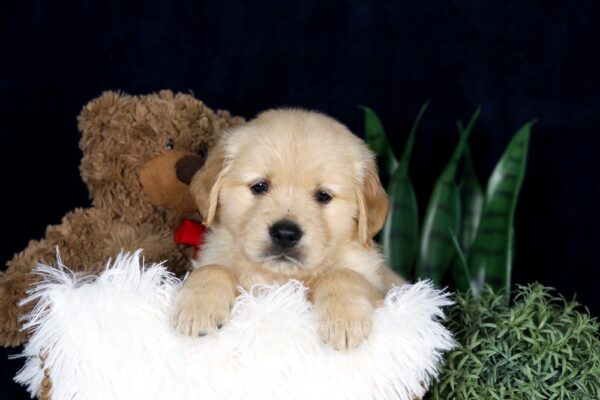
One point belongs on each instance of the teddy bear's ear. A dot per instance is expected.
(207, 182)
(95, 122)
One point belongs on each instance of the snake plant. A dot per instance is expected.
(464, 230)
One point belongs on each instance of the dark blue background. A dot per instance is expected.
(517, 59)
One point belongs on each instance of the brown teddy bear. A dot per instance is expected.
(139, 153)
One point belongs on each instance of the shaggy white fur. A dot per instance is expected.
(108, 337)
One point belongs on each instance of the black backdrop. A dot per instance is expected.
(517, 59)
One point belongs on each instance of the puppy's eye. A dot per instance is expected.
(168, 145)
(260, 187)
(322, 197)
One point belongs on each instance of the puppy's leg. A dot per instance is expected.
(204, 302)
(391, 278)
(343, 302)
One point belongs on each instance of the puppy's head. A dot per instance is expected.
(292, 187)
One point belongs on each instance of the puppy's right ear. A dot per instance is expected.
(373, 204)
(206, 183)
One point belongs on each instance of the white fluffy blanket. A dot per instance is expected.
(108, 337)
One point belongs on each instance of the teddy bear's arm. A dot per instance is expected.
(76, 237)
(14, 283)
(86, 239)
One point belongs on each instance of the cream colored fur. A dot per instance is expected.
(298, 153)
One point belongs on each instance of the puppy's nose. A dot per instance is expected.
(285, 234)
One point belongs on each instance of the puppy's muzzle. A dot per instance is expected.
(285, 234)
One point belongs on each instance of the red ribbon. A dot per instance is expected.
(190, 233)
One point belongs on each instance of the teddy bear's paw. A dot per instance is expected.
(344, 325)
(198, 312)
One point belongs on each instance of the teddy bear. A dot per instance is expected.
(139, 154)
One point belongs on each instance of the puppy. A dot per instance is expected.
(291, 194)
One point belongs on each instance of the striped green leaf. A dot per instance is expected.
(460, 269)
(471, 202)
(442, 218)
(377, 141)
(401, 230)
(491, 255)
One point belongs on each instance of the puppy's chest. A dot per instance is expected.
(253, 276)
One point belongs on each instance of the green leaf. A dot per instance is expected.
(471, 203)
(460, 269)
(442, 217)
(491, 255)
(410, 142)
(377, 141)
(401, 230)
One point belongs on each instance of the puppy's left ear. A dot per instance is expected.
(206, 183)
(372, 205)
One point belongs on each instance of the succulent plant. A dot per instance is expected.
(540, 347)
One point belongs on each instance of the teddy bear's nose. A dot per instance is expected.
(187, 166)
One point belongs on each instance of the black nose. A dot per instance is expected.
(285, 234)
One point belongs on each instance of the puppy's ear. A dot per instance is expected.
(372, 205)
(206, 183)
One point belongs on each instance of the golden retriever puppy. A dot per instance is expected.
(291, 194)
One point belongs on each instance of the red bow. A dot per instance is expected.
(190, 233)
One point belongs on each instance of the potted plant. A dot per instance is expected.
(539, 346)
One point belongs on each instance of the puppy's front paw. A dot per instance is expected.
(344, 325)
(201, 311)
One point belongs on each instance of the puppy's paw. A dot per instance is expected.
(344, 325)
(198, 312)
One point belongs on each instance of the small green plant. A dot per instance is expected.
(464, 229)
(541, 347)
